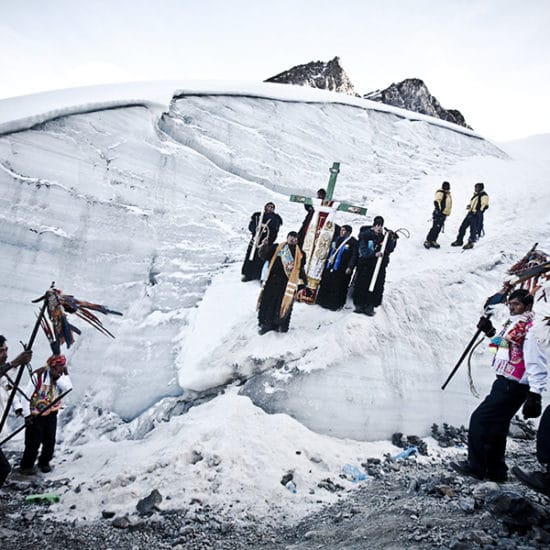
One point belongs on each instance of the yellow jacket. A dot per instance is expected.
(443, 202)
(479, 202)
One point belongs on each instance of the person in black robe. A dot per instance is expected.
(285, 278)
(370, 244)
(336, 277)
(270, 224)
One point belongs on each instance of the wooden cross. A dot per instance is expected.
(343, 206)
(320, 233)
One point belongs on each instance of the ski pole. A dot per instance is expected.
(499, 298)
(487, 313)
(459, 362)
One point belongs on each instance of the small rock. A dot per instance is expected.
(214, 461)
(329, 485)
(121, 522)
(148, 505)
(483, 489)
(459, 545)
(289, 476)
(196, 456)
(467, 504)
(481, 537)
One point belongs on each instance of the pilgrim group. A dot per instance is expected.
(323, 263)
(340, 265)
(357, 267)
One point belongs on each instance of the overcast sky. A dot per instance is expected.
(490, 59)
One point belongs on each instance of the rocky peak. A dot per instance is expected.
(317, 74)
(412, 94)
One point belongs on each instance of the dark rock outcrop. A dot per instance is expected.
(317, 74)
(412, 94)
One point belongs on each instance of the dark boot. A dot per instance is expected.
(458, 242)
(463, 468)
(264, 328)
(369, 310)
(538, 481)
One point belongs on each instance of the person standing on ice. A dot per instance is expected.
(375, 247)
(443, 204)
(521, 370)
(45, 387)
(262, 225)
(286, 276)
(341, 262)
(474, 218)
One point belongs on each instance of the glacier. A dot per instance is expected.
(143, 205)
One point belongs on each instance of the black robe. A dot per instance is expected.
(369, 244)
(333, 289)
(252, 269)
(274, 290)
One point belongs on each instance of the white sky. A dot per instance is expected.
(488, 58)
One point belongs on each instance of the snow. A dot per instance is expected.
(144, 207)
(24, 112)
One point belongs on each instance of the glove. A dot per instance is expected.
(486, 326)
(532, 406)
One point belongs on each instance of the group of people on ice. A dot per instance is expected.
(352, 263)
(443, 204)
(281, 267)
(519, 362)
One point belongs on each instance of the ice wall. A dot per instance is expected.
(140, 209)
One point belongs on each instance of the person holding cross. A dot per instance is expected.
(321, 229)
(375, 248)
(321, 194)
(22, 359)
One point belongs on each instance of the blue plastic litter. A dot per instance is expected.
(291, 486)
(353, 473)
(406, 453)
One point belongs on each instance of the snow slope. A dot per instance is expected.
(144, 207)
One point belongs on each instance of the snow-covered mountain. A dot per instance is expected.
(412, 94)
(143, 206)
(317, 74)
